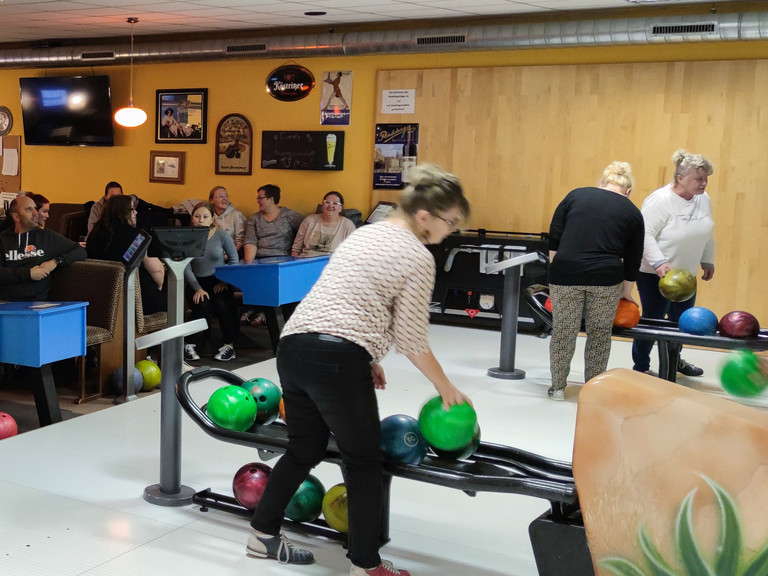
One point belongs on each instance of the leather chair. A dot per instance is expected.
(100, 283)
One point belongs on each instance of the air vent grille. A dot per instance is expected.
(431, 40)
(247, 48)
(97, 56)
(664, 30)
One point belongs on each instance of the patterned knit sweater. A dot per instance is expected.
(375, 291)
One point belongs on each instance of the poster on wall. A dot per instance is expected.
(234, 145)
(336, 100)
(302, 150)
(395, 154)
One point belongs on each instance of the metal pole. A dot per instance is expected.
(509, 314)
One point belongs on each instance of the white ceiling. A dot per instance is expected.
(38, 20)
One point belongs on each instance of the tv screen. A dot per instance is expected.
(67, 111)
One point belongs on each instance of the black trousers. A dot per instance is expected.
(328, 387)
(221, 304)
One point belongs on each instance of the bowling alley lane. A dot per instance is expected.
(71, 494)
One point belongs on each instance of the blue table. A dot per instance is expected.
(273, 282)
(36, 334)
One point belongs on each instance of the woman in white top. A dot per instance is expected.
(366, 300)
(322, 233)
(679, 234)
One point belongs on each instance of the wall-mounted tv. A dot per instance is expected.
(67, 111)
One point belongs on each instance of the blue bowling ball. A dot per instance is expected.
(401, 440)
(117, 380)
(698, 320)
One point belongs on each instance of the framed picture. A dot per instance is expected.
(234, 145)
(166, 166)
(181, 116)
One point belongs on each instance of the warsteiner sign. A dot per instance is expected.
(290, 83)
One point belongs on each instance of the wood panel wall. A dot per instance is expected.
(520, 138)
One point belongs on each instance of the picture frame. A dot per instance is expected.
(234, 145)
(166, 167)
(181, 116)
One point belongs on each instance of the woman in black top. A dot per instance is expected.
(596, 243)
(112, 235)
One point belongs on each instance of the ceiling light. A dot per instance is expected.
(131, 117)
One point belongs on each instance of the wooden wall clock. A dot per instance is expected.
(6, 120)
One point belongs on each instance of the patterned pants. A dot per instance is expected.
(597, 306)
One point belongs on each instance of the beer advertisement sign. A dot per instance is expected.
(290, 83)
(302, 150)
(336, 100)
(395, 154)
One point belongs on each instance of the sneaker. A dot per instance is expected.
(687, 369)
(246, 317)
(558, 395)
(259, 319)
(190, 353)
(225, 353)
(386, 568)
(652, 373)
(277, 547)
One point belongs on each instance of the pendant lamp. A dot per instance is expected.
(130, 116)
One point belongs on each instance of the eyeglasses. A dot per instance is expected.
(260, 198)
(329, 203)
(452, 224)
(221, 196)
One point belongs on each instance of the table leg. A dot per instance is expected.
(275, 323)
(46, 399)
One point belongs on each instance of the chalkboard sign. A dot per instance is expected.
(302, 150)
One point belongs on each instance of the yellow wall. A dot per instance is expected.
(72, 174)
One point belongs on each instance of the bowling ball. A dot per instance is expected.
(232, 407)
(267, 395)
(307, 503)
(461, 453)
(548, 304)
(151, 373)
(739, 324)
(627, 314)
(334, 508)
(117, 380)
(249, 483)
(698, 320)
(401, 440)
(741, 374)
(678, 285)
(447, 429)
(8, 426)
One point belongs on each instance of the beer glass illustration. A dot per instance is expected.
(330, 146)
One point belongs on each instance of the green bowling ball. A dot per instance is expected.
(743, 375)
(678, 285)
(306, 504)
(461, 453)
(267, 395)
(232, 407)
(451, 429)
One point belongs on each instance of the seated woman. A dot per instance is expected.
(112, 234)
(43, 206)
(206, 292)
(322, 233)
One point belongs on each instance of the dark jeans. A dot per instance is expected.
(654, 305)
(221, 304)
(328, 387)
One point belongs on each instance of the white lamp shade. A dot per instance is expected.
(130, 117)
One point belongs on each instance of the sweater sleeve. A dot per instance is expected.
(557, 224)
(298, 241)
(229, 248)
(655, 215)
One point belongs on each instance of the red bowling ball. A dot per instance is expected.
(739, 324)
(249, 483)
(8, 426)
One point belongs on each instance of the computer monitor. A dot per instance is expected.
(134, 253)
(179, 242)
(380, 212)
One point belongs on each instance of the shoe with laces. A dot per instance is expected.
(384, 569)
(259, 319)
(652, 373)
(277, 547)
(687, 369)
(558, 395)
(190, 353)
(246, 317)
(225, 353)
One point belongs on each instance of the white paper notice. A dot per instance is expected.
(398, 101)
(10, 162)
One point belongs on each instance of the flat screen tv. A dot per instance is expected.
(67, 111)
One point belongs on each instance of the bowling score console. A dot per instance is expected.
(465, 295)
(558, 538)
